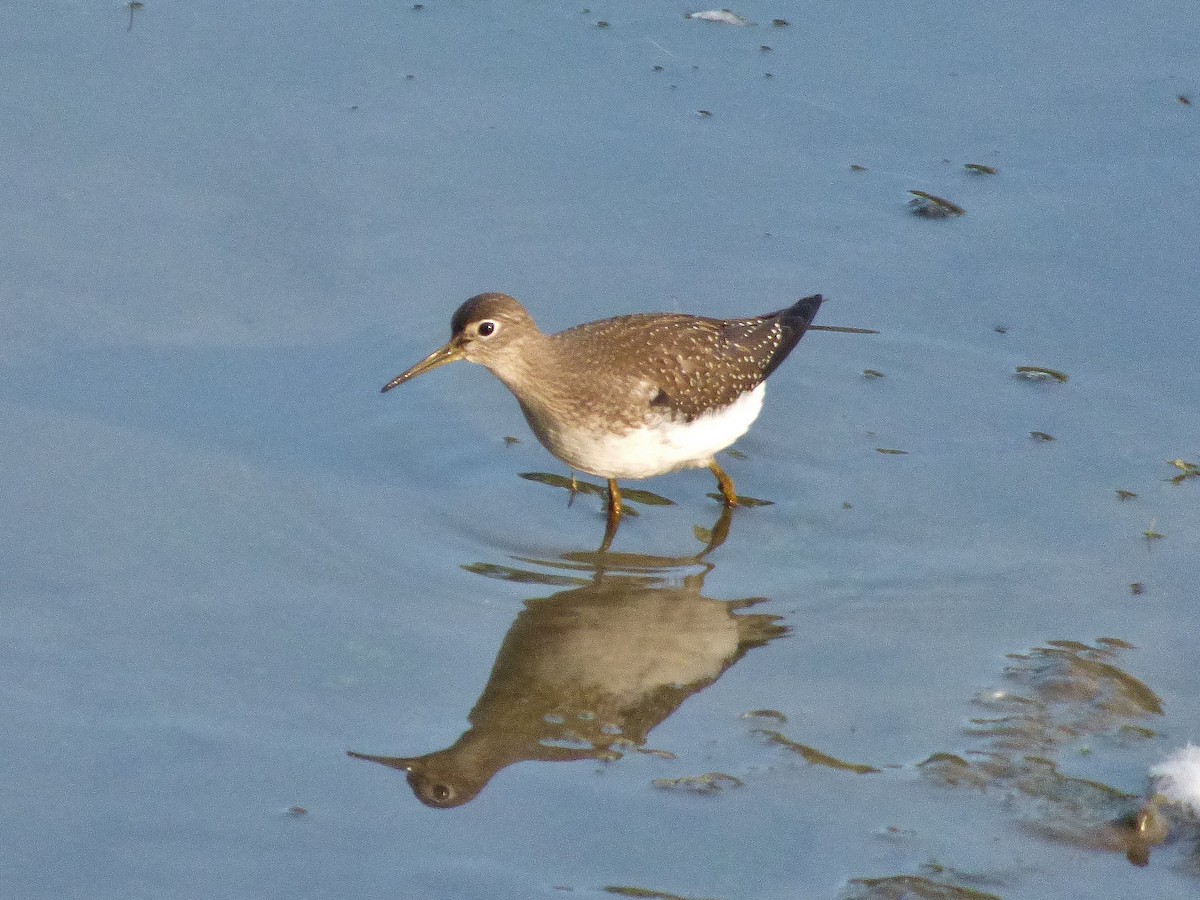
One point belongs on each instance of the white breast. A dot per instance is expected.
(653, 449)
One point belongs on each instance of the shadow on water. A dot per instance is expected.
(588, 672)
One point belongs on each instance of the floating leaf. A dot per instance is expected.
(1125, 495)
(744, 501)
(891, 452)
(980, 169)
(658, 754)
(645, 497)
(561, 481)
(855, 167)
(1041, 436)
(626, 891)
(1040, 373)
(932, 206)
(720, 16)
(1188, 470)
(813, 756)
(766, 714)
(873, 373)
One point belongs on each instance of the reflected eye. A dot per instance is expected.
(486, 329)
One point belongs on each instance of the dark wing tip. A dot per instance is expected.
(804, 310)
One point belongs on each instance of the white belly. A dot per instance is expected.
(653, 449)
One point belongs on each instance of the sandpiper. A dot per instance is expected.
(633, 396)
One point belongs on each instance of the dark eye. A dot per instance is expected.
(486, 329)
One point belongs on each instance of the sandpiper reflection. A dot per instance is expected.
(588, 672)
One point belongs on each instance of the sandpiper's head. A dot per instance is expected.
(486, 329)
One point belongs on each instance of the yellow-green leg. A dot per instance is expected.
(614, 501)
(614, 515)
(725, 483)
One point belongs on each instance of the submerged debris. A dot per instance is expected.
(889, 451)
(1041, 436)
(646, 893)
(980, 169)
(1125, 495)
(708, 783)
(873, 373)
(932, 206)
(912, 887)
(133, 6)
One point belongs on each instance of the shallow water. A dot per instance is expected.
(229, 560)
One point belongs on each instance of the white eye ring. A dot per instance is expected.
(487, 328)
